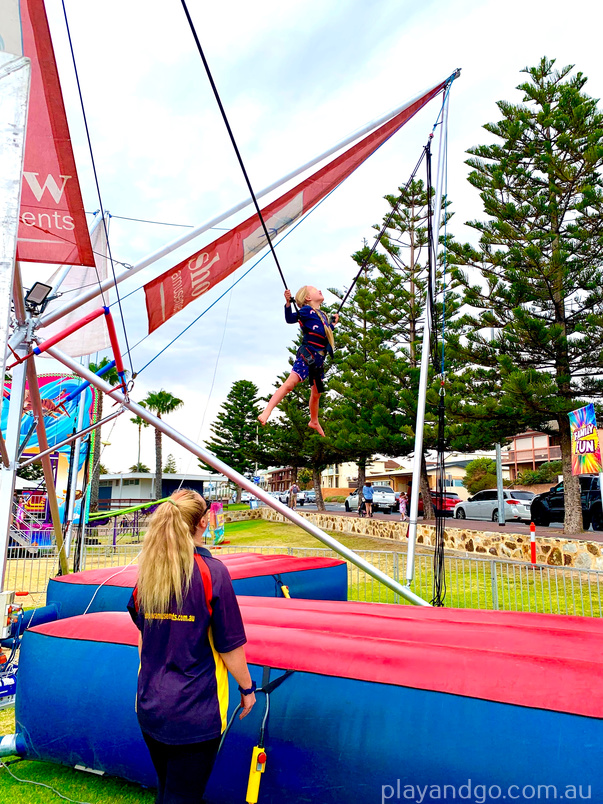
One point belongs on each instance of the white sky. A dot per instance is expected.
(295, 78)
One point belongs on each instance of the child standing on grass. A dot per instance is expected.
(317, 342)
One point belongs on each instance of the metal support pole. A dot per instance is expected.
(36, 406)
(499, 486)
(425, 354)
(227, 471)
(15, 74)
(37, 458)
(74, 473)
(8, 474)
(59, 312)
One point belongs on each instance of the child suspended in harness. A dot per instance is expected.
(317, 342)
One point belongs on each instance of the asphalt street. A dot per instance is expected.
(555, 530)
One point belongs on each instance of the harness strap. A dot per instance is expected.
(206, 579)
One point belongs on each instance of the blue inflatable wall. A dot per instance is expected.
(109, 589)
(354, 729)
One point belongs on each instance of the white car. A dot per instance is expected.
(384, 499)
(284, 497)
(484, 505)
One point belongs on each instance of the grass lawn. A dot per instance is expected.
(77, 785)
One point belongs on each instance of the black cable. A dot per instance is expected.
(232, 139)
(98, 192)
(161, 223)
(439, 568)
(431, 291)
(394, 210)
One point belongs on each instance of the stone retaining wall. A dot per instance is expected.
(579, 553)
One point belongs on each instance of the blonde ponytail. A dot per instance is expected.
(301, 296)
(166, 562)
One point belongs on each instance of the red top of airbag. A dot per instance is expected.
(536, 660)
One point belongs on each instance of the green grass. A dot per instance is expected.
(76, 785)
(518, 586)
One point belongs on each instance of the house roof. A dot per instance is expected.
(208, 476)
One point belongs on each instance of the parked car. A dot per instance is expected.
(447, 506)
(484, 505)
(310, 496)
(384, 499)
(550, 506)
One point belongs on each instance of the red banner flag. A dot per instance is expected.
(52, 223)
(179, 286)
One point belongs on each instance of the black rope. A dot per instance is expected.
(98, 192)
(439, 568)
(431, 291)
(232, 139)
(385, 226)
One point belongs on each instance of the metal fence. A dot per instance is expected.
(471, 582)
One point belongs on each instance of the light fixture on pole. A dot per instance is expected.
(37, 297)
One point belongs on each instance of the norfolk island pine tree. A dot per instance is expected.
(235, 432)
(540, 256)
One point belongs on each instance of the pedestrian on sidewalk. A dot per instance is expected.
(293, 492)
(367, 493)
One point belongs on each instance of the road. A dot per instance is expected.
(555, 531)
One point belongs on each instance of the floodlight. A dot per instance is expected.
(37, 294)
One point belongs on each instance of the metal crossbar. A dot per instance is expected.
(473, 583)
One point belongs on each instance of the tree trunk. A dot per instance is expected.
(361, 480)
(428, 509)
(158, 462)
(573, 522)
(316, 477)
(95, 480)
(239, 492)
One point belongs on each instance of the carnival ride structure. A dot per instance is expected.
(358, 692)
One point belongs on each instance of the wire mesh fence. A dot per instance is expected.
(471, 583)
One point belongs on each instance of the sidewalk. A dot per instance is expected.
(493, 527)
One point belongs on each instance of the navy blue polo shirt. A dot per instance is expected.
(182, 693)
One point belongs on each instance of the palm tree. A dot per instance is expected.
(140, 423)
(112, 377)
(160, 403)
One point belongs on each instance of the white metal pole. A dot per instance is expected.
(211, 460)
(499, 486)
(15, 74)
(66, 268)
(59, 312)
(425, 354)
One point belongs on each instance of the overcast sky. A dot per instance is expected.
(295, 78)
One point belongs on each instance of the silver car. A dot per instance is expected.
(484, 505)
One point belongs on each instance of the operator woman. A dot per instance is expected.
(191, 635)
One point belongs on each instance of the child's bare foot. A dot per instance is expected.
(316, 426)
(263, 418)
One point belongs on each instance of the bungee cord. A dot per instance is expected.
(98, 191)
(232, 139)
(226, 292)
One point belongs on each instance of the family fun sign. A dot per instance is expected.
(586, 449)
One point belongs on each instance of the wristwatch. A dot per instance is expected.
(251, 689)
